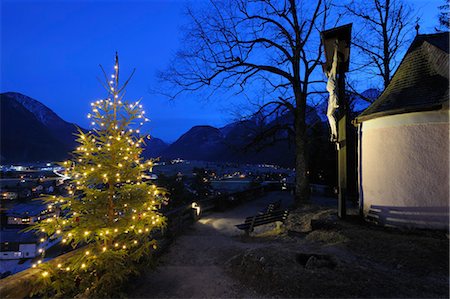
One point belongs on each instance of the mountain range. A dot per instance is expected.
(32, 132)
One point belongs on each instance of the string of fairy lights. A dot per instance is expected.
(108, 205)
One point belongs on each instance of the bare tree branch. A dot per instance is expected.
(386, 25)
(259, 43)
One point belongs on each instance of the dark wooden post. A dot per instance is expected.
(342, 147)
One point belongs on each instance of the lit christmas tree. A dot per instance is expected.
(109, 209)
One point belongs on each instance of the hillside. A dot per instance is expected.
(154, 147)
(199, 143)
(235, 142)
(32, 132)
(24, 138)
(59, 128)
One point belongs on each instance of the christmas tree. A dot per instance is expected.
(109, 210)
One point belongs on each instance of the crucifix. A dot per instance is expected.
(336, 42)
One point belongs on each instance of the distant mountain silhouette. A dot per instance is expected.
(199, 143)
(235, 143)
(59, 128)
(154, 147)
(360, 103)
(32, 132)
(24, 137)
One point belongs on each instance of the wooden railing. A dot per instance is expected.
(20, 285)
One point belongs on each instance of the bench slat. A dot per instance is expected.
(268, 221)
(250, 222)
(263, 216)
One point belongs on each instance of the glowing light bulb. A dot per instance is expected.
(45, 274)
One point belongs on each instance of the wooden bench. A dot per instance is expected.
(251, 222)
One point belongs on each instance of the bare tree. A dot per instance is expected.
(386, 25)
(444, 16)
(271, 44)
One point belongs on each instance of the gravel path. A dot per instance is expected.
(193, 265)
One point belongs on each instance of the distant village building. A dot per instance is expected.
(15, 244)
(10, 195)
(29, 213)
(403, 148)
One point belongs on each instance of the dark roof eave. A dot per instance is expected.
(421, 108)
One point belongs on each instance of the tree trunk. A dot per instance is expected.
(110, 210)
(301, 178)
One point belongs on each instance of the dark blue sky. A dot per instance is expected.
(50, 50)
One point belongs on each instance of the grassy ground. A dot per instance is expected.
(350, 258)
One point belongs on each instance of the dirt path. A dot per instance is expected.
(336, 259)
(193, 265)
